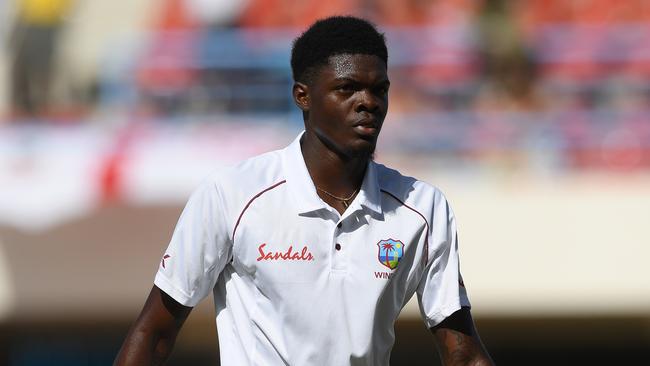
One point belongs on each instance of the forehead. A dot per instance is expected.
(353, 66)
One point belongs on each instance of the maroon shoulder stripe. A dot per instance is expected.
(234, 230)
(426, 237)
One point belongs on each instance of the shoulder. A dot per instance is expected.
(248, 176)
(406, 188)
(227, 191)
(418, 195)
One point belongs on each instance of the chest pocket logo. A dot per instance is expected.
(390, 252)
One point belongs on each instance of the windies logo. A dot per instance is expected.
(390, 252)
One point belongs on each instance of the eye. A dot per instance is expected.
(347, 87)
(382, 90)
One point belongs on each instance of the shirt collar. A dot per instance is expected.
(302, 189)
(370, 195)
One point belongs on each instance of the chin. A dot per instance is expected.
(362, 148)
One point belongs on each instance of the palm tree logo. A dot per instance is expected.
(390, 252)
(387, 247)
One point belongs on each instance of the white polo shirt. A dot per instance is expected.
(294, 282)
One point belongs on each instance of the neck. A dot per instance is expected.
(333, 171)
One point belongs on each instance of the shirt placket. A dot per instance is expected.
(341, 239)
(339, 248)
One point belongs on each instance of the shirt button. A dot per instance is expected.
(339, 225)
(337, 246)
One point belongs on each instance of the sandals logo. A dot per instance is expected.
(284, 255)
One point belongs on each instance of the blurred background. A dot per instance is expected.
(533, 116)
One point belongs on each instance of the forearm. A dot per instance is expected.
(462, 350)
(143, 347)
(459, 343)
(152, 337)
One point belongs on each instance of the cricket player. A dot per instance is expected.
(312, 251)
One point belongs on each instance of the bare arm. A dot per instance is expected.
(458, 342)
(151, 339)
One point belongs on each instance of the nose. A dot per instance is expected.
(367, 101)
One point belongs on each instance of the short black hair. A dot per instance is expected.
(334, 36)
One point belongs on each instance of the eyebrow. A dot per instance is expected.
(349, 79)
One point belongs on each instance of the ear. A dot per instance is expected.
(301, 96)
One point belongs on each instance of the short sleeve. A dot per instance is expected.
(441, 290)
(199, 248)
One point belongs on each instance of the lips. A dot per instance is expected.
(366, 127)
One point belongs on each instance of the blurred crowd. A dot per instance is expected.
(497, 69)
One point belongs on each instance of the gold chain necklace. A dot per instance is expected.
(344, 201)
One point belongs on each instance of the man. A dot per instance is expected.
(312, 251)
(35, 42)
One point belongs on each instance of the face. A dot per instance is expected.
(346, 103)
